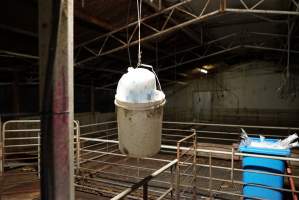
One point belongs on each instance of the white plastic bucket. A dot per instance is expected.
(139, 127)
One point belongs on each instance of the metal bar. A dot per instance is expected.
(270, 49)
(21, 145)
(210, 175)
(177, 181)
(22, 138)
(100, 131)
(216, 132)
(118, 175)
(257, 4)
(98, 124)
(22, 152)
(91, 51)
(206, 150)
(19, 54)
(258, 11)
(119, 40)
(186, 12)
(122, 155)
(194, 165)
(244, 4)
(103, 45)
(150, 27)
(172, 181)
(165, 193)
(133, 33)
(22, 130)
(232, 165)
(100, 191)
(200, 58)
(167, 19)
(39, 156)
(145, 191)
(205, 7)
(77, 138)
(231, 125)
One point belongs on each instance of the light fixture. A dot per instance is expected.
(208, 66)
(204, 71)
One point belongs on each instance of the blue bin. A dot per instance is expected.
(263, 165)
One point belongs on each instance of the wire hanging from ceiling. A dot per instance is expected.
(128, 49)
(139, 7)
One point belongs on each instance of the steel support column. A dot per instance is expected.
(56, 88)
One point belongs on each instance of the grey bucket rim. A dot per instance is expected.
(140, 106)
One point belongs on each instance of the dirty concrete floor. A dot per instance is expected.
(26, 187)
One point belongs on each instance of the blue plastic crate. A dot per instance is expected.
(263, 165)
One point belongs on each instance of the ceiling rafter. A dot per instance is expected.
(256, 8)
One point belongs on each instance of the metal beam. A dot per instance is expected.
(56, 77)
(190, 33)
(106, 49)
(18, 30)
(16, 54)
(80, 14)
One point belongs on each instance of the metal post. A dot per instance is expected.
(194, 164)
(145, 191)
(38, 154)
(171, 182)
(222, 5)
(77, 146)
(232, 166)
(210, 174)
(56, 92)
(177, 185)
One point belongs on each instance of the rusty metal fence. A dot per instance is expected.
(21, 146)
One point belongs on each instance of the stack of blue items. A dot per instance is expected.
(255, 184)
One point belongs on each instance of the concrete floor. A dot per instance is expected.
(26, 187)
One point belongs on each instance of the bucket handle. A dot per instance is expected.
(151, 67)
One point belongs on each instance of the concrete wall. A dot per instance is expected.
(89, 118)
(246, 93)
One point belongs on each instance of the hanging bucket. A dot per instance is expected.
(139, 107)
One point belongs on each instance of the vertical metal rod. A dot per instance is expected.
(77, 146)
(145, 191)
(210, 174)
(3, 145)
(171, 182)
(38, 154)
(177, 188)
(194, 163)
(232, 165)
(222, 5)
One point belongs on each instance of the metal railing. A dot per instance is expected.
(21, 145)
(209, 163)
(101, 168)
(144, 183)
(184, 155)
